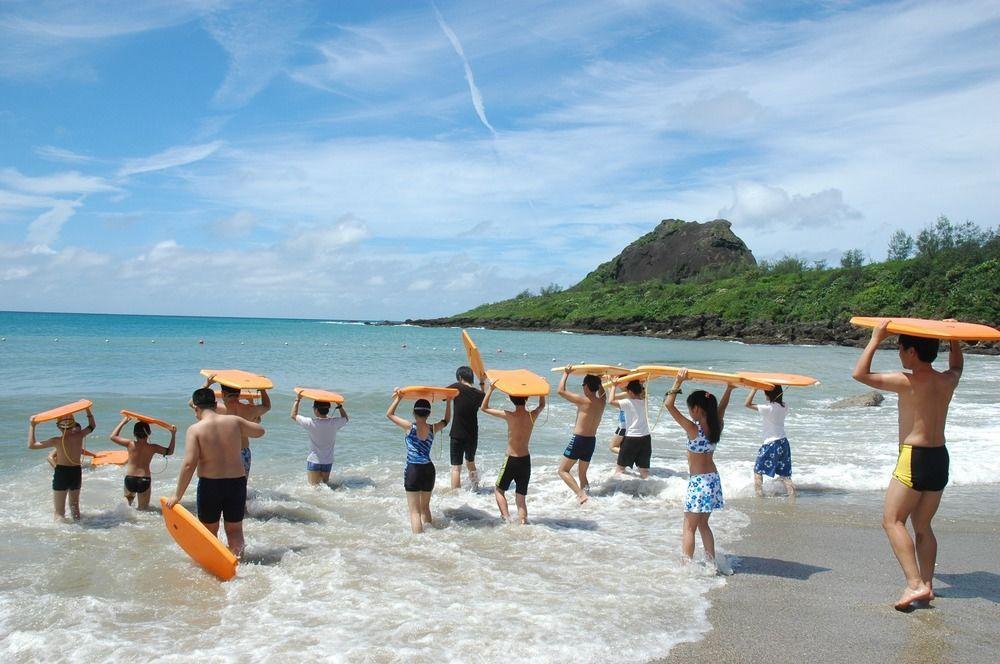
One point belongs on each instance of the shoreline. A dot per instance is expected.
(817, 579)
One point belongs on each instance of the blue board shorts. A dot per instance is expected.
(774, 458)
(581, 447)
(319, 467)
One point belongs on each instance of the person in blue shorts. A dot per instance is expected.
(775, 456)
(322, 431)
(589, 409)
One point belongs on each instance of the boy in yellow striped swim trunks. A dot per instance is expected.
(921, 472)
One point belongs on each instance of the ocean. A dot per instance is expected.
(335, 573)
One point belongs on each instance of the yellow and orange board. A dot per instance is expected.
(595, 370)
(785, 379)
(473, 355)
(203, 547)
(317, 394)
(61, 411)
(110, 458)
(700, 375)
(932, 329)
(518, 382)
(236, 378)
(414, 392)
(146, 418)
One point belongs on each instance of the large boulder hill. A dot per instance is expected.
(674, 251)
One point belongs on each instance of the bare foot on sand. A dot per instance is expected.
(582, 497)
(910, 595)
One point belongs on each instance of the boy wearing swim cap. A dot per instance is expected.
(138, 478)
(516, 467)
(589, 410)
(921, 473)
(322, 431)
(67, 474)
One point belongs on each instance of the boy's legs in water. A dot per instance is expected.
(900, 503)
(74, 503)
(502, 503)
(789, 486)
(59, 504)
(129, 497)
(315, 477)
(522, 507)
(615, 444)
(758, 484)
(413, 506)
(456, 477)
(234, 536)
(473, 474)
(565, 472)
(144, 498)
(582, 470)
(425, 508)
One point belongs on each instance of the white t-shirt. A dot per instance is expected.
(772, 416)
(322, 436)
(636, 424)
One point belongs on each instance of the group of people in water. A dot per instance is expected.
(217, 447)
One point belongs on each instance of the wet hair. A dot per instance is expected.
(141, 430)
(230, 391)
(204, 397)
(321, 407)
(592, 382)
(519, 401)
(422, 408)
(706, 401)
(775, 394)
(927, 349)
(635, 387)
(465, 374)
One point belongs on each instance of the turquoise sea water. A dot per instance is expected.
(335, 573)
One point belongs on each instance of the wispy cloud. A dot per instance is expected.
(70, 182)
(170, 158)
(46, 227)
(53, 153)
(477, 97)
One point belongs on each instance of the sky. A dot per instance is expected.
(389, 160)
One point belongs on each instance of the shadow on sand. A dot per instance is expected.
(567, 523)
(470, 516)
(971, 585)
(269, 557)
(281, 513)
(775, 567)
(349, 482)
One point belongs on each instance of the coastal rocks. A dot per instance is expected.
(867, 400)
(676, 250)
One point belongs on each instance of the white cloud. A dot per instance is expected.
(53, 153)
(761, 205)
(180, 155)
(70, 182)
(238, 225)
(477, 97)
(45, 228)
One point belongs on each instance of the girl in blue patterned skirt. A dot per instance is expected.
(775, 456)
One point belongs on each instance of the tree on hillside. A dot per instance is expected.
(900, 246)
(937, 238)
(523, 295)
(551, 289)
(852, 259)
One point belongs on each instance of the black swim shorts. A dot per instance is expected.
(67, 478)
(137, 483)
(581, 447)
(463, 447)
(637, 451)
(922, 468)
(419, 477)
(516, 470)
(225, 496)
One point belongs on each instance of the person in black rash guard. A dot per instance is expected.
(465, 427)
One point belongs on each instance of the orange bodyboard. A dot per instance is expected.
(203, 547)
(788, 380)
(518, 382)
(236, 378)
(111, 458)
(415, 392)
(700, 375)
(317, 394)
(932, 329)
(61, 411)
(245, 395)
(473, 355)
(146, 418)
(595, 370)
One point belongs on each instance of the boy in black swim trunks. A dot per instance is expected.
(921, 472)
(589, 410)
(67, 475)
(465, 427)
(517, 464)
(138, 479)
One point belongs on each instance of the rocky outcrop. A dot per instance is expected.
(867, 400)
(674, 251)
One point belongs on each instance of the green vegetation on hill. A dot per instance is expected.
(954, 272)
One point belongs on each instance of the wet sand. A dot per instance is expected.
(816, 580)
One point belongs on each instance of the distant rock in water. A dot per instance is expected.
(676, 250)
(867, 400)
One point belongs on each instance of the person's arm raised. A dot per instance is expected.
(724, 403)
(91, 422)
(894, 381)
(295, 407)
(749, 402)
(116, 435)
(565, 393)
(690, 428)
(956, 361)
(539, 408)
(265, 403)
(251, 429)
(485, 407)
(400, 422)
(447, 417)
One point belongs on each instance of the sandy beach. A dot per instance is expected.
(816, 579)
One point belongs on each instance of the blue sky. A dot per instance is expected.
(407, 159)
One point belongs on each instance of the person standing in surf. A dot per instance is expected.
(636, 448)
(231, 405)
(465, 428)
(704, 490)
(516, 467)
(775, 456)
(138, 478)
(419, 474)
(212, 448)
(921, 472)
(589, 410)
(322, 431)
(67, 472)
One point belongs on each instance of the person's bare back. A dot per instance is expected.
(924, 398)
(219, 439)
(520, 423)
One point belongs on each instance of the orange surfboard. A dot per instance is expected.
(203, 547)
(700, 375)
(473, 355)
(317, 394)
(595, 370)
(110, 458)
(146, 418)
(518, 382)
(786, 379)
(245, 395)
(62, 411)
(236, 378)
(932, 329)
(415, 392)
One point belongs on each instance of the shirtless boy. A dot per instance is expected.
(517, 464)
(67, 474)
(138, 479)
(212, 447)
(589, 410)
(921, 472)
(231, 405)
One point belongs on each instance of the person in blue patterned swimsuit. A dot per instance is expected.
(775, 456)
